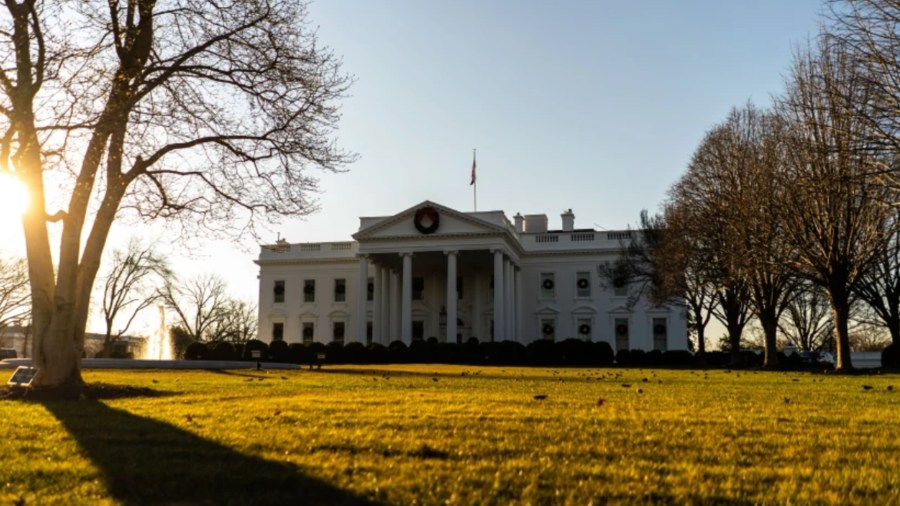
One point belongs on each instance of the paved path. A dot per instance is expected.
(124, 363)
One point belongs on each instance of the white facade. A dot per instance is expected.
(515, 280)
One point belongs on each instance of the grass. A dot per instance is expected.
(426, 434)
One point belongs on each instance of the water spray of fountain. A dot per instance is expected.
(159, 346)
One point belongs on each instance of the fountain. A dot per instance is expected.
(159, 346)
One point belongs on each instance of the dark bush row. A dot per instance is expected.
(571, 352)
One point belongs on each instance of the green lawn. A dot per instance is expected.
(460, 435)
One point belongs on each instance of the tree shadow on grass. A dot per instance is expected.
(145, 461)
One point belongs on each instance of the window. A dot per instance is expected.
(621, 332)
(418, 288)
(583, 284)
(278, 292)
(337, 332)
(340, 290)
(548, 329)
(659, 334)
(459, 287)
(278, 331)
(583, 326)
(418, 330)
(309, 332)
(370, 290)
(369, 332)
(309, 290)
(620, 287)
(548, 285)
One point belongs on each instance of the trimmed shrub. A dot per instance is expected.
(299, 353)
(398, 352)
(422, 352)
(717, 358)
(334, 352)
(573, 352)
(654, 358)
(355, 353)
(255, 345)
(542, 352)
(471, 352)
(279, 351)
(448, 353)
(623, 357)
(511, 353)
(378, 353)
(602, 353)
(678, 358)
(196, 351)
(638, 357)
(223, 350)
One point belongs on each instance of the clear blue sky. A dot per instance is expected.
(590, 105)
(593, 105)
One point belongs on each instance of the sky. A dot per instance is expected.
(595, 106)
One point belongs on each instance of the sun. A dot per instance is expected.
(13, 201)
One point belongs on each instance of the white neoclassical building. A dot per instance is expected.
(432, 271)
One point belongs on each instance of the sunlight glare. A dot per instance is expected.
(13, 203)
(13, 197)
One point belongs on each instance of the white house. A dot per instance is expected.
(432, 271)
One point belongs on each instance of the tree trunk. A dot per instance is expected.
(770, 328)
(840, 308)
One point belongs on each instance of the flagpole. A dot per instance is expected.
(474, 184)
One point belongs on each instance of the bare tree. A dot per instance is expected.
(731, 195)
(685, 272)
(807, 321)
(869, 30)
(879, 287)
(189, 110)
(199, 304)
(836, 208)
(867, 337)
(15, 299)
(131, 286)
(237, 322)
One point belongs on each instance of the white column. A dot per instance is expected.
(451, 297)
(499, 288)
(477, 307)
(406, 303)
(395, 307)
(517, 289)
(361, 317)
(385, 275)
(508, 299)
(377, 301)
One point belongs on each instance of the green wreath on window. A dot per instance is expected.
(547, 329)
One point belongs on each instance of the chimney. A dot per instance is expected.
(520, 223)
(568, 221)
(536, 224)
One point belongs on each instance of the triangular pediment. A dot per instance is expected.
(450, 222)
